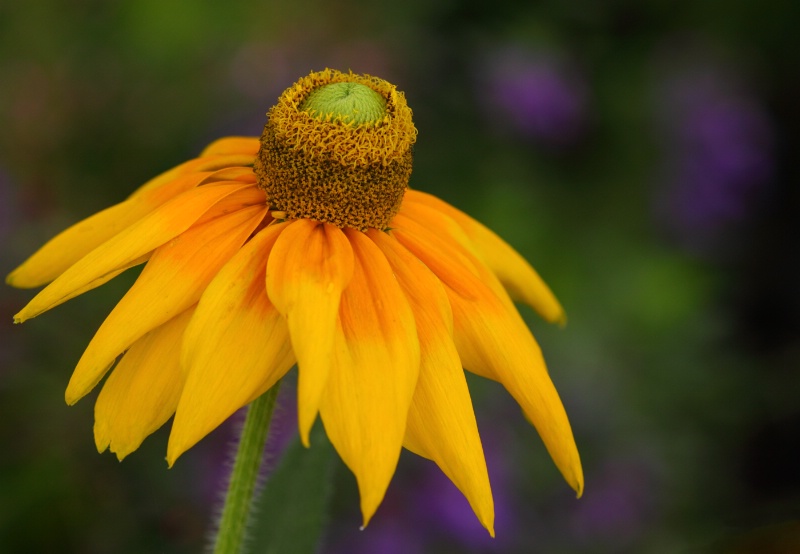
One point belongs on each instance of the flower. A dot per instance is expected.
(718, 155)
(307, 247)
(535, 93)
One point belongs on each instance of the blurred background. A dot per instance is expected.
(642, 155)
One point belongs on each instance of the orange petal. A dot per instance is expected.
(374, 373)
(519, 278)
(142, 392)
(233, 145)
(122, 249)
(451, 265)
(173, 280)
(235, 348)
(310, 266)
(457, 253)
(441, 421)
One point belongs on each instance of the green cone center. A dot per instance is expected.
(345, 101)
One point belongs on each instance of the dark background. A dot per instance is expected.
(642, 155)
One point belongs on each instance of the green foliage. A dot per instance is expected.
(292, 510)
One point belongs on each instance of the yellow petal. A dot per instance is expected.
(495, 342)
(451, 265)
(441, 421)
(444, 241)
(520, 279)
(310, 266)
(75, 242)
(373, 375)
(142, 392)
(232, 145)
(235, 348)
(172, 281)
(122, 249)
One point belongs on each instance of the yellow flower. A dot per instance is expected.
(307, 247)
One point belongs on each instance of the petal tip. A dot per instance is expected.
(578, 487)
(172, 457)
(74, 393)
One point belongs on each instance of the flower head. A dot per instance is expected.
(307, 247)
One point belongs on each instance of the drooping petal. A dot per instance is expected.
(494, 342)
(235, 348)
(232, 145)
(173, 280)
(441, 421)
(142, 392)
(75, 242)
(310, 266)
(374, 373)
(520, 279)
(131, 244)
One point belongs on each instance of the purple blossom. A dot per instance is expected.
(535, 94)
(442, 512)
(620, 506)
(718, 151)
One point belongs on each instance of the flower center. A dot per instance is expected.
(346, 101)
(337, 148)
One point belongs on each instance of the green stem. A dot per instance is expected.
(238, 500)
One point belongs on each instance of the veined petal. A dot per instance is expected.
(441, 421)
(232, 145)
(520, 279)
(310, 266)
(122, 249)
(142, 392)
(235, 348)
(374, 373)
(494, 342)
(172, 281)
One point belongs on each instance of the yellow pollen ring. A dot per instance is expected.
(338, 153)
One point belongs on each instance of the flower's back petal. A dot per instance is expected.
(75, 242)
(375, 370)
(520, 279)
(173, 280)
(235, 348)
(142, 392)
(208, 163)
(441, 422)
(122, 249)
(232, 145)
(310, 266)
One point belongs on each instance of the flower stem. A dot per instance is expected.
(238, 500)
